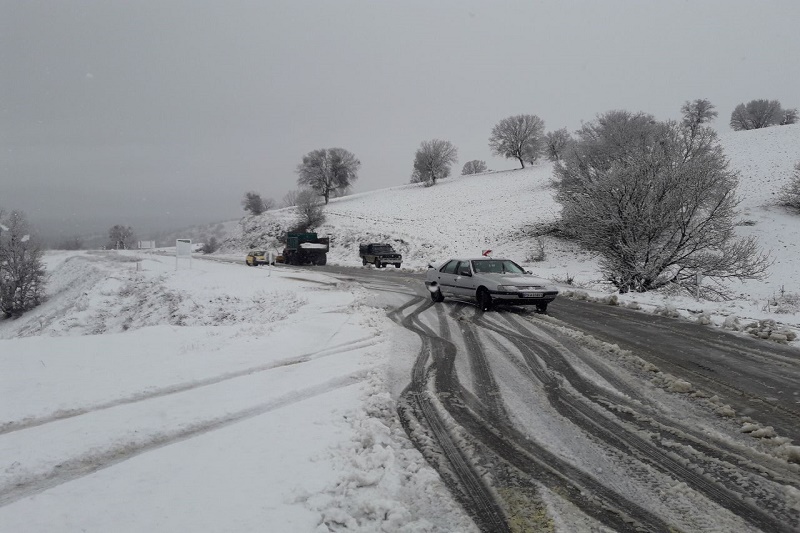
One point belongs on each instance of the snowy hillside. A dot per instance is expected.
(464, 215)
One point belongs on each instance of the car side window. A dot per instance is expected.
(463, 265)
(450, 268)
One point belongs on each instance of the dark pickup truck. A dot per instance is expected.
(379, 254)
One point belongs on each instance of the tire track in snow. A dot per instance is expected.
(607, 506)
(415, 406)
(10, 427)
(483, 379)
(544, 358)
(719, 450)
(85, 465)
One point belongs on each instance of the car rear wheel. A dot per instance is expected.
(364, 261)
(484, 299)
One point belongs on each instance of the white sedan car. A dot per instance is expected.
(489, 282)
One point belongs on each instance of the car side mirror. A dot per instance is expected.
(528, 272)
(430, 265)
(465, 273)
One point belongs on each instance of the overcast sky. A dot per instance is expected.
(161, 114)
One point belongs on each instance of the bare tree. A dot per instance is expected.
(789, 117)
(656, 201)
(290, 198)
(22, 273)
(520, 137)
(253, 203)
(756, 114)
(310, 214)
(433, 160)
(790, 193)
(697, 113)
(476, 166)
(555, 142)
(121, 237)
(327, 171)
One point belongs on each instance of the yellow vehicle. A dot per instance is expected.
(256, 257)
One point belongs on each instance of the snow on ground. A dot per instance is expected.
(141, 397)
(464, 215)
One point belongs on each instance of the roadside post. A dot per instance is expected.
(699, 281)
(183, 249)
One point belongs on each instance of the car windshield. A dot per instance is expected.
(496, 266)
(258, 252)
(382, 249)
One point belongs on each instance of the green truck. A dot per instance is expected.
(305, 249)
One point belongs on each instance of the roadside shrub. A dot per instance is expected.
(790, 193)
(22, 273)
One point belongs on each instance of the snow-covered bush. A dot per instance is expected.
(790, 194)
(22, 273)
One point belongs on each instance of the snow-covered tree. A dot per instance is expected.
(121, 237)
(656, 201)
(309, 211)
(327, 171)
(555, 142)
(476, 166)
(22, 273)
(520, 137)
(756, 114)
(697, 113)
(433, 160)
(789, 117)
(255, 204)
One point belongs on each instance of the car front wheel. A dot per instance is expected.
(437, 296)
(484, 299)
(542, 307)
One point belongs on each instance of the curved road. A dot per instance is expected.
(516, 409)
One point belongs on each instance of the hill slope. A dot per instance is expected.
(464, 215)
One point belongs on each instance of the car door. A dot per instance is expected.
(447, 277)
(464, 283)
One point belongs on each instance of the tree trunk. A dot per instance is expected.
(521, 161)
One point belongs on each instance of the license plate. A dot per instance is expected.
(531, 294)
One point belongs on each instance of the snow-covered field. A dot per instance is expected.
(142, 397)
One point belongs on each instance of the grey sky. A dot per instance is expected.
(162, 113)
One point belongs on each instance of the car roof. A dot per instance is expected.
(478, 259)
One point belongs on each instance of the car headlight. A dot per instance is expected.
(507, 288)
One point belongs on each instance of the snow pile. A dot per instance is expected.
(377, 463)
(770, 330)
